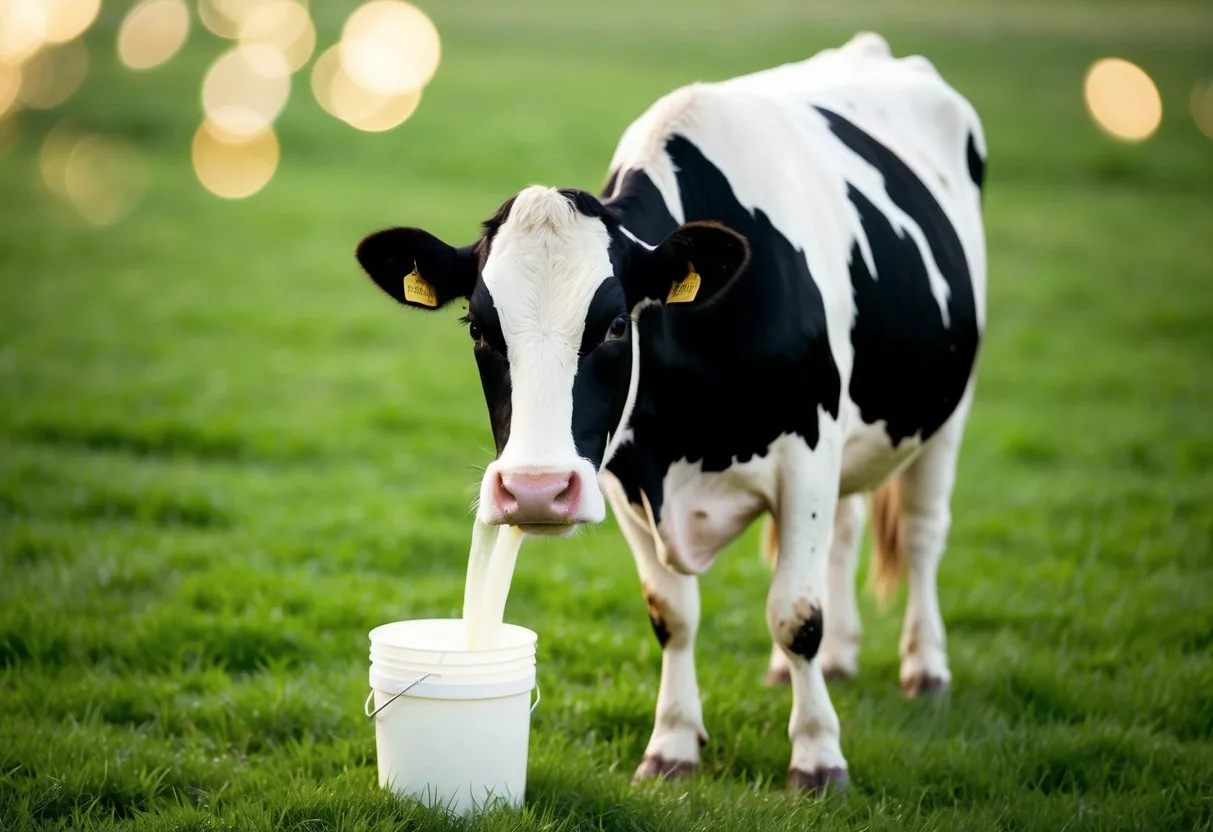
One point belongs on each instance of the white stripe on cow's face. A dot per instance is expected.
(545, 263)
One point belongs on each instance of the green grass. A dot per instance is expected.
(224, 457)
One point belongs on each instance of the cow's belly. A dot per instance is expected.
(704, 511)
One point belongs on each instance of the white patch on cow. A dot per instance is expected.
(636, 239)
(703, 511)
(547, 261)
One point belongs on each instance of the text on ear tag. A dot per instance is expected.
(685, 290)
(418, 290)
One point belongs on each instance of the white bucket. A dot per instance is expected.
(452, 724)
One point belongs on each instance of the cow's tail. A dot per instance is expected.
(888, 540)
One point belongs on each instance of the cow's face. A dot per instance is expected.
(552, 286)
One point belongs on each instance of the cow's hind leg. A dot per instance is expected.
(673, 606)
(839, 653)
(925, 494)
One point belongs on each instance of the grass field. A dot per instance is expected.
(224, 456)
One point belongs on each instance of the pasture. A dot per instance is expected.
(224, 456)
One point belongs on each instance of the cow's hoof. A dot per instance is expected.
(777, 677)
(819, 781)
(925, 685)
(655, 766)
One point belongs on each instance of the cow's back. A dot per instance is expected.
(866, 169)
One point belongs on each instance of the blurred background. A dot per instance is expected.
(224, 456)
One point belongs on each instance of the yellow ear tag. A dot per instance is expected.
(685, 290)
(418, 290)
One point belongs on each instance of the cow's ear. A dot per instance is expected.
(418, 269)
(691, 265)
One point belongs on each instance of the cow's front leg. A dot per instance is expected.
(839, 654)
(795, 605)
(673, 607)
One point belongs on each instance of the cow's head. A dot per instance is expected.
(552, 287)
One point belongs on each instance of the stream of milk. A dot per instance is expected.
(490, 570)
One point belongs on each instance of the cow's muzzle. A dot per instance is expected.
(530, 498)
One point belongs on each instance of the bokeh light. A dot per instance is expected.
(344, 98)
(68, 19)
(153, 32)
(10, 86)
(390, 47)
(234, 169)
(284, 25)
(390, 113)
(225, 17)
(1202, 107)
(51, 76)
(324, 75)
(52, 160)
(1123, 99)
(103, 178)
(23, 28)
(245, 90)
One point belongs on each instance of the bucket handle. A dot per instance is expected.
(370, 697)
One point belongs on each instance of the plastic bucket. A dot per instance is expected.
(451, 724)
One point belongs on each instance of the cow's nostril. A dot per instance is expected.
(567, 498)
(502, 496)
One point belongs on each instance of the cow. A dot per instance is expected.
(773, 308)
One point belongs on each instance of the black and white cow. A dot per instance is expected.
(774, 307)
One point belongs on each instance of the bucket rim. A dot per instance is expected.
(522, 636)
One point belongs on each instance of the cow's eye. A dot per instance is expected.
(475, 332)
(619, 328)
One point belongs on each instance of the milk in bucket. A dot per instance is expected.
(451, 698)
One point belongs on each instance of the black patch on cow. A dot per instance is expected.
(807, 638)
(606, 305)
(910, 369)
(660, 630)
(604, 367)
(977, 165)
(640, 208)
(482, 313)
(492, 362)
(720, 381)
(495, 381)
(490, 227)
